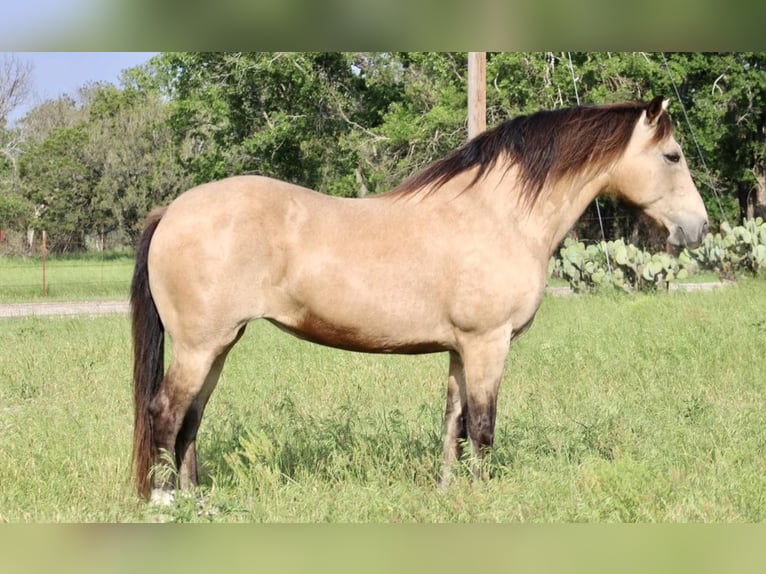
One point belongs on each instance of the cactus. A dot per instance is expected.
(731, 251)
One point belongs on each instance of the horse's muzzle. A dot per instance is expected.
(688, 235)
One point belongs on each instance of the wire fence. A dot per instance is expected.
(65, 279)
(33, 268)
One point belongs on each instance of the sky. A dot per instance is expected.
(57, 73)
(25, 18)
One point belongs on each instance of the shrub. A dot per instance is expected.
(731, 251)
(619, 265)
(734, 249)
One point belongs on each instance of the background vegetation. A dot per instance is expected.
(88, 166)
(725, 255)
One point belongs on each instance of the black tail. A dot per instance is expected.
(148, 357)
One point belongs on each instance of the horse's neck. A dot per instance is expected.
(556, 211)
(544, 225)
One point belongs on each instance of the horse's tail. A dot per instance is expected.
(148, 357)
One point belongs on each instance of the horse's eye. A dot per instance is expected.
(673, 157)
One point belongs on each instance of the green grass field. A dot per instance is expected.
(613, 408)
(67, 278)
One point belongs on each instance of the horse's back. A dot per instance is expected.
(237, 194)
(208, 211)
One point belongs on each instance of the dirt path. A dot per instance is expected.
(63, 308)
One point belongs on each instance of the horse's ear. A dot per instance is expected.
(655, 109)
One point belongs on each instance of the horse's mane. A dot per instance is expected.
(546, 146)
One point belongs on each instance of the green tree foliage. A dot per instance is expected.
(58, 181)
(287, 115)
(132, 147)
(426, 122)
(726, 99)
(13, 208)
(97, 168)
(13, 211)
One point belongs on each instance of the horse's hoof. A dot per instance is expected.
(161, 497)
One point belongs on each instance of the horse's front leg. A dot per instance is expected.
(454, 419)
(483, 365)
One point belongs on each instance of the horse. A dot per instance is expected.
(454, 260)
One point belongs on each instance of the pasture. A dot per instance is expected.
(613, 408)
(76, 278)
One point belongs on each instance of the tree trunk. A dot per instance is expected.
(362, 191)
(30, 241)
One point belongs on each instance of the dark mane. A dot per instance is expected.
(546, 146)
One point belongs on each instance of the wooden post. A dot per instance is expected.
(45, 257)
(477, 93)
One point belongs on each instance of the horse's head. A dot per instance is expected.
(653, 174)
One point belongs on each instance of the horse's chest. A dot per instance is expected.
(498, 293)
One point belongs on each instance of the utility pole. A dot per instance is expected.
(477, 93)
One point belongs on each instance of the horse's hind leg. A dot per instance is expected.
(176, 412)
(168, 409)
(185, 446)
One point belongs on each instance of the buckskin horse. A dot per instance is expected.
(454, 260)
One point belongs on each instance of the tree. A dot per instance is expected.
(29, 131)
(13, 211)
(15, 85)
(425, 121)
(288, 115)
(130, 144)
(96, 168)
(57, 179)
(40, 121)
(15, 81)
(728, 103)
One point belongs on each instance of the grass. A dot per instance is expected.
(613, 408)
(67, 278)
